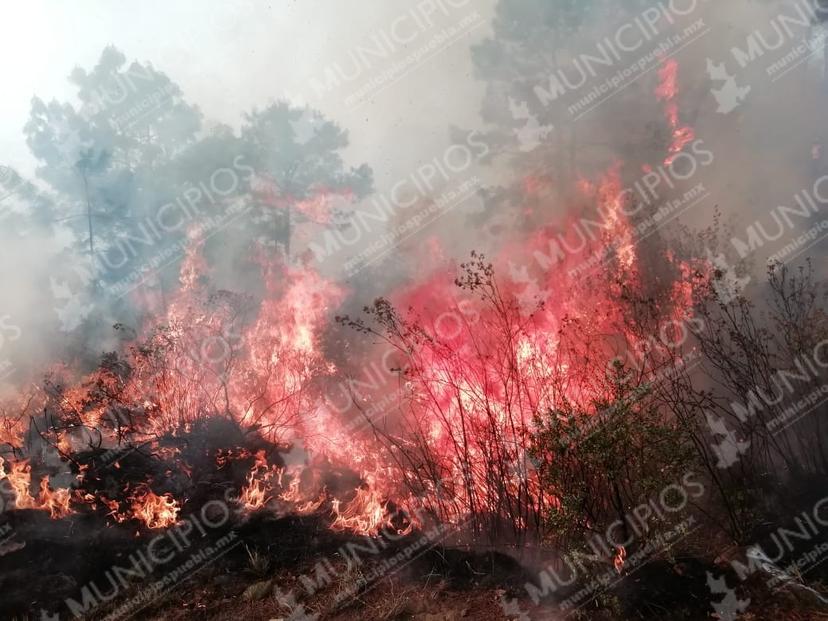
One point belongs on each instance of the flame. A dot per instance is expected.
(114, 508)
(20, 479)
(292, 493)
(301, 502)
(667, 91)
(462, 395)
(19, 476)
(155, 511)
(56, 502)
(254, 495)
(619, 559)
(365, 514)
(483, 393)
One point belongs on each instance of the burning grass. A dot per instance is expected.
(459, 447)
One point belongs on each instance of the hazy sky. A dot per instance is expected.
(231, 55)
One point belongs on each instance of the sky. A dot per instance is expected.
(232, 55)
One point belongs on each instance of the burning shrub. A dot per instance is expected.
(473, 441)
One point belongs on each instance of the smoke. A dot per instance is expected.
(566, 100)
(382, 152)
(243, 200)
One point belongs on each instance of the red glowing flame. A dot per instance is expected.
(471, 381)
(667, 91)
(619, 559)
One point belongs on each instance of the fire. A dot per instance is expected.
(667, 91)
(254, 495)
(56, 502)
(292, 493)
(19, 477)
(283, 356)
(475, 392)
(114, 508)
(467, 399)
(302, 503)
(619, 559)
(462, 397)
(155, 511)
(365, 514)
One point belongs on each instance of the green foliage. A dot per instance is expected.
(601, 464)
(308, 156)
(132, 171)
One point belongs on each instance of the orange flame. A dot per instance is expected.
(365, 514)
(56, 502)
(619, 559)
(254, 495)
(155, 511)
(667, 91)
(20, 479)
